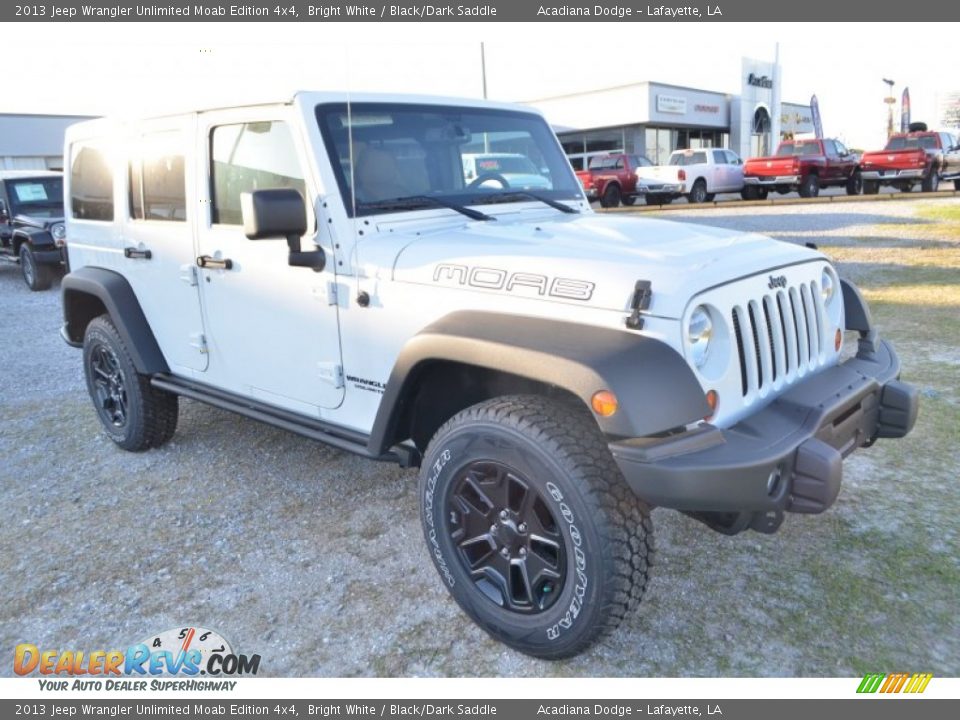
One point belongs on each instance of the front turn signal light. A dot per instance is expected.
(604, 403)
(838, 340)
(713, 401)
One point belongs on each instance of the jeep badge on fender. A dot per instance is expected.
(422, 281)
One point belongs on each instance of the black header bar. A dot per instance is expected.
(814, 11)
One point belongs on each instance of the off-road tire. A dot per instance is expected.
(150, 415)
(931, 183)
(871, 187)
(36, 275)
(809, 186)
(611, 196)
(956, 185)
(855, 183)
(607, 534)
(750, 192)
(710, 197)
(698, 193)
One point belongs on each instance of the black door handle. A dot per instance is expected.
(137, 253)
(212, 263)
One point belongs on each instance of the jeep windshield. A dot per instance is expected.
(401, 157)
(40, 197)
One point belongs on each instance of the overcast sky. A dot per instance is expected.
(139, 68)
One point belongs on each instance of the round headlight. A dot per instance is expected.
(828, 287)
(699, 332)
(58, 231)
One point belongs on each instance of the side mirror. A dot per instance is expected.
(280, 212)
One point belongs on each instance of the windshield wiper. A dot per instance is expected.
(562, 207)
(411, 202)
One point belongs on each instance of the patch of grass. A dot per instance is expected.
(940, 211)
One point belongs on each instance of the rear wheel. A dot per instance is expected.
(855, 183)
(931, 183)
(710, 197)
(611, 196)
(531, 525)
(810, 186)
(956, 185)
(135, 415)
(36, 275)
(871, 187)
(698, 193)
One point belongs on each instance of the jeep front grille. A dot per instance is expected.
(779, 336)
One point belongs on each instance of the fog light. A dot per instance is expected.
(604, 403)
(838, 340)
(713, 400)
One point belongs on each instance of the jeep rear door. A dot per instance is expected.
(157, 252)
(273, 329)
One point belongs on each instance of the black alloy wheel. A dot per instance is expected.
(507, 538)
(109, 387)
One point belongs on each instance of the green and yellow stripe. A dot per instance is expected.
(894, 682)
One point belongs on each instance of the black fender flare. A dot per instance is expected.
(115, 294)
(656, 389)
(35, 237)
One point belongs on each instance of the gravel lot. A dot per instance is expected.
(314, 558)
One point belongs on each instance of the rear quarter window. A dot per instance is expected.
(91, 183)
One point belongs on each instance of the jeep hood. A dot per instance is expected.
(679, 259)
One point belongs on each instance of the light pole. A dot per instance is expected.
(890, 100)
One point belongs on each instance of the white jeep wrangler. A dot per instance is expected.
(324, 265)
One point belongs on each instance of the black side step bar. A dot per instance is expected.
(341, 438)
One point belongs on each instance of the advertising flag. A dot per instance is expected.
(905, 110)
(815, 112)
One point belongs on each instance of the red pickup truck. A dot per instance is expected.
(613, 178)
(918, 156)
(804, 166)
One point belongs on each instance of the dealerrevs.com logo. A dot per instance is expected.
(181, 652)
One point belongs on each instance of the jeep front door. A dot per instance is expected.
(273, 330)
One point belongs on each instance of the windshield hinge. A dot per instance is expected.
(199, 341)
(642, 294)
(331, 373)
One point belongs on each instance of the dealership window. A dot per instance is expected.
(660, 143)
(91, 184)
(251, 156)
(157, 180)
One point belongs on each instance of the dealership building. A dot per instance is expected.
(653, 119)
(33, 142)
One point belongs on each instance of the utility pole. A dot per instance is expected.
(483, 69)
(890, 100)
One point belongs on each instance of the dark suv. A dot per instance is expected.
(31, 224)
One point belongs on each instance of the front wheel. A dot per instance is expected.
(531, 526)
(871, 187)
(931, 183)
(611, 196)
(135, 415)
(855, 183)
(36, 275)
(750, 192)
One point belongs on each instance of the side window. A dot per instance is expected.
(732, 157)
(91, 184)
(246, 157)
(829, 148)
(841, 148)
(157, 182)
(719, 157)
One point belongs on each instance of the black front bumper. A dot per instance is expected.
(45, 255)
(786, 457)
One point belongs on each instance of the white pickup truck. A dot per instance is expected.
(701, 174)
